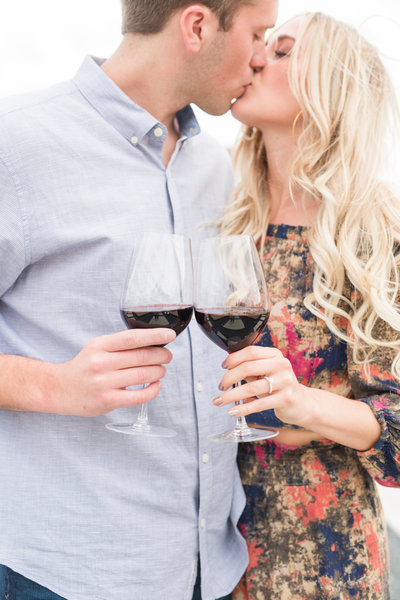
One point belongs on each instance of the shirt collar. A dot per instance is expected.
(129, 119)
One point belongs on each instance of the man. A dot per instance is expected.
(87, 514)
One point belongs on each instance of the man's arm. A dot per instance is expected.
(94, 381)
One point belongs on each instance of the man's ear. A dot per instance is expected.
(199, 26)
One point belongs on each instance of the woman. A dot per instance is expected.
(326, 373)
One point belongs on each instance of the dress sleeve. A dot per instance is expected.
(378, 388)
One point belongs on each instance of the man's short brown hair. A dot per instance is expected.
(150, 16)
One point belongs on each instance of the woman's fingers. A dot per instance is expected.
(249, 408)
(258, 387)
(270, 384)
(250, 353)
(276, 364)
(245, 371)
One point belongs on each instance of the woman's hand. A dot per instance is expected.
(333, 417)
(271, 384)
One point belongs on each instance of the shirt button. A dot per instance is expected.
(158, 132)
(205, 458)
(199, 386)
(202, 523)
(134, 140)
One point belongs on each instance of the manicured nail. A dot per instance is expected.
(224, 364)
(221, 387)
(218, 401)
(234, 412)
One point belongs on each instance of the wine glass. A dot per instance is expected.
(232, 306)
(158, 292)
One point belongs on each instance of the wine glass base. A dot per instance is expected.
(141, 430)
(248, 434)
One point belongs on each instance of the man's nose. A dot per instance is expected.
(259, 58)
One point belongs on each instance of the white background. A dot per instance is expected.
(44, 41)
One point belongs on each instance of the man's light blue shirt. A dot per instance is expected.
(92, 514)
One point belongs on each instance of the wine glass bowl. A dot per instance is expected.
(151, 317)
(232, 329)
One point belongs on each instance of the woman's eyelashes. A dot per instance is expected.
(280, 47)
(282, 50)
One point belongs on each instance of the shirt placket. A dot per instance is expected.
(181, 226)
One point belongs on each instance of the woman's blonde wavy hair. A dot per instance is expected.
(348, 108)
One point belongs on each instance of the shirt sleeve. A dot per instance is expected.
(378, 388)
(12, 238)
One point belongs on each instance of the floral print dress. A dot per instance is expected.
(313, 520)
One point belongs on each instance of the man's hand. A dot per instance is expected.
(94, 381)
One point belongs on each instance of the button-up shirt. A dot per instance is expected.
(89, 513)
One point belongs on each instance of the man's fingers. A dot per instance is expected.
(136, 376)
(125, 359)
(124, 398)
(133, 338)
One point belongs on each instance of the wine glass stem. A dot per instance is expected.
(241, 425)
(143, 418)
(240, 421)
(142, 421)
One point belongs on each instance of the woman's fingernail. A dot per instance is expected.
(218, 401)
(221, 387)
(224, 364)
(234, 412)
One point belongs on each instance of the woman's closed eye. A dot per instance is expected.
(283, 46)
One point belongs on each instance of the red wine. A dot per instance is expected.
(150, 317)
(232, 330)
